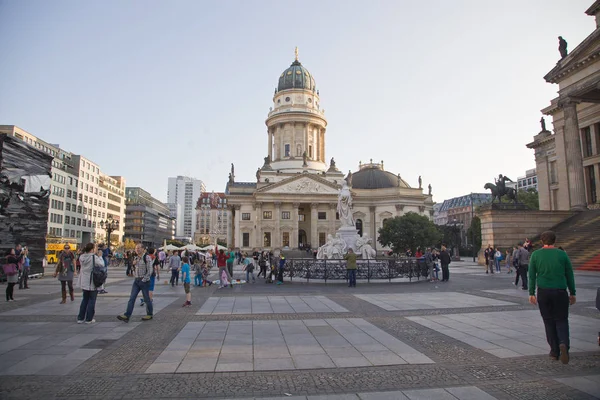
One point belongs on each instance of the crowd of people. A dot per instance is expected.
(515, 259)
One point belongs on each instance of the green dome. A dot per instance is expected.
(296, 77)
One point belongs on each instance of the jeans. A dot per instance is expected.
(24, 278)
(139, 285)
(198, 280)
(497, 265)
(445, 273)
(87, 309)
(230, 268)
(174, 277)
(523, 272)
(351, 277)
(248, 273)
(490, 266)
(10, 288)
(554, 308)
(280, 274)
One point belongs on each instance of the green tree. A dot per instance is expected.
(474, 232)
(530, 198)
(450, 235)
(409, 232)
(175, 243)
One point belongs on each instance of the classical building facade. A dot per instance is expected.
(213, 219)
(293, 202)
(568, 160)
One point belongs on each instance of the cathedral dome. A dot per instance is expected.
(296, 77)
(372, 176)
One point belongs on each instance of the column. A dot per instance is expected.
(293, 144)
(237, 219)
(331, 218)
(270, 144)
(305, 132)
(597, 176)
(294, 232)
(276, 240)
(373, 234)
(399, 209)
(314, 238)
(322, 133)
(574, 158)
(258, 226)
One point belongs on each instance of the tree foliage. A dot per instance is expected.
(129, 244)
(474, 232)
(530, 198)
(409, 232)
(450, 236)
(175, 243)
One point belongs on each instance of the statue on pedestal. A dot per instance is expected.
(543, 123)
(304, 158)
(258, 175)
(420, 182)
(349, 178)
(429, 189)
(334, 248)
(562, 47)
(364, 248)
(344, 206)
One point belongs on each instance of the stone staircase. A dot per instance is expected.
(580, 237)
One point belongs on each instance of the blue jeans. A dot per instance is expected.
(497, 264)
(198, 280)
(87, 309)
(351, 277)
(138, 286)
(248, 273)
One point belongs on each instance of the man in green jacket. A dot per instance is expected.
(350, 258)
(550, 269)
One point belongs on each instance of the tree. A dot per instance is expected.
(409, 232)
(450, 235)
(175, 243)
(129, 244)
(529, 197)
(474, 232)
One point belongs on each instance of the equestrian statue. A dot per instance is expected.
(499, 189)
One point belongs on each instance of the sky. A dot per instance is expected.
(447, 90)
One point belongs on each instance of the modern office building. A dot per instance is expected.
(529, 181)
(147, 219)
(185, 191)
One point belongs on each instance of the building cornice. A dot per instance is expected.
(570, 64)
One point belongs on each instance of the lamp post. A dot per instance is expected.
(109, 225)
(472, 230)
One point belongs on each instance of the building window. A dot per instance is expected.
(267, 239)
(246, 239)
(337, 216)
(287, 150)
(245, 216)
(553, 174)
(587, 142)
(322, 215)
(310, 152)
(359, 227)
(285, 239)
(321, 239)
(267, 214)
(591, 175)
(300, 217)
(285, 215)
(555, 199)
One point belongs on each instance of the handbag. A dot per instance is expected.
(10, 269)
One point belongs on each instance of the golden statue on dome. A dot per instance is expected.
(296, 52)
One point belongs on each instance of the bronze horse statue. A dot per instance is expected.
(510, 193)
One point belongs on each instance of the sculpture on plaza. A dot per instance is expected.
(499, 189)
(364, 248)
(334, 248)
(562, 47)
(344, 206)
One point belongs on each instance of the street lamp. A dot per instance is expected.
(109, 225)
(472, 230)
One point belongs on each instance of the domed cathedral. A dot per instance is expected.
(293, 202)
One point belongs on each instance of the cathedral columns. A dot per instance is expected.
(294, 233)
(573, 156)
(237, 219)
(322, 135)
(258, 227)
(270, 144)
(314, 238)
(373, 210)
(276, 240)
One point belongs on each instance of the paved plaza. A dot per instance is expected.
(475, 337)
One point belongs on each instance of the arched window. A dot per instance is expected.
(359, 227)
(383, 223)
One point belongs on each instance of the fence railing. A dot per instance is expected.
(374, 269)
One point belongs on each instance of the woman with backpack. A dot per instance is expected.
(65, 270)
(11, 270)
(90, 258)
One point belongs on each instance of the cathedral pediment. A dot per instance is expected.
(584, 54)
(301, 184)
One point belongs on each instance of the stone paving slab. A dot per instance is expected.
(226, 346)
(588, 384)
(105, 305)
(510, 333)
(429, 300)
(269, 305)
(582, 293)
(53, 348)
(452, 393)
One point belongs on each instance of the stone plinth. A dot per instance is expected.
(506, 228)
(349, 234)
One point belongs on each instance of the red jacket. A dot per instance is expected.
(222, 259)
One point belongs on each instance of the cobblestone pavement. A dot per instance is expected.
(45, 355)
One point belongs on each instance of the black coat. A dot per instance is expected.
(445, 258)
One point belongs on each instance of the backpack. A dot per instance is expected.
(98, 275)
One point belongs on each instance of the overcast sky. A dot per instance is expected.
(450, 90)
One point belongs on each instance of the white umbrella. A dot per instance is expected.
(191, 247)
(212, 247)
(169, 247)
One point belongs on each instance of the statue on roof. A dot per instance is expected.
(543, 123)
(232, 172)
(258, 175)
(230, 178)
(429, 189)
(562, 47)
(420, 182)
(304, 158)
(296, 53)
(332, 163)
(349, 178)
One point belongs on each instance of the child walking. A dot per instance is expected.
(185, 277)
(198, 277)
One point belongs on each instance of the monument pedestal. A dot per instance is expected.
(349, 234)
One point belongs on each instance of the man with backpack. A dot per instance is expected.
(523, 260)
(143, 271)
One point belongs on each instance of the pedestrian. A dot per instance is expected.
(508, 261)
(280, 269)
(162, 256)
(230, 260)
(105, 250)
(155, 275)
(11, 270)
(25, 263)
(262, 263)
(89, 258)
(198, 277)
(445, 261)
(350, 258)
(174, 265)
(143, 272)
(65, 270)
(489, 255)
(249, 267)
(222, 265)
(551, 271)
(497, 259)
(205, 270)
(523, 259)
(185, 278)
(429, 263)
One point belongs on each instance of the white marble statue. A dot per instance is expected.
(334, 248)
(344, 206)
(364, 248)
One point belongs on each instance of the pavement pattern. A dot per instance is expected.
(474, 337)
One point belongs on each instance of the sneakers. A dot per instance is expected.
(80, 321)
(187, 304)
(146, 317)
(123, 318)
(90, 322)
(564, 353)
(141, 302)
